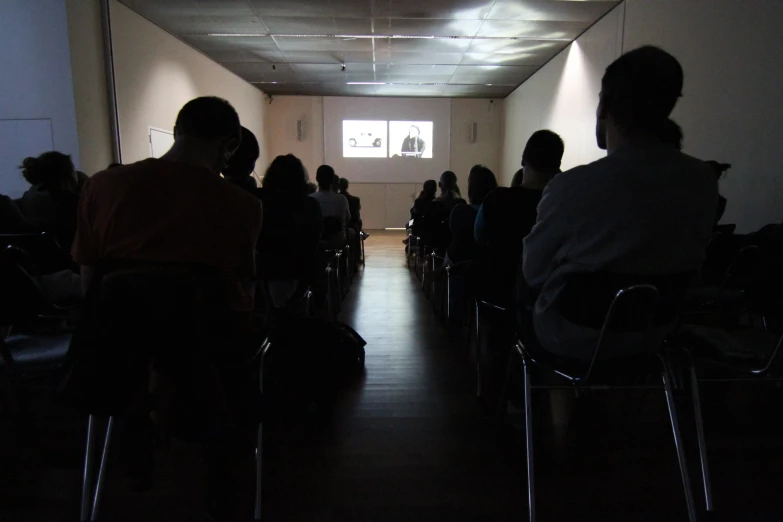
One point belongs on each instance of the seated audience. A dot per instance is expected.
(140, 212)
(12, 221)
(423, 203)
(449, 192)
(607, 216)
(50, 203)
(508, 214)
(354, 206)
(334, 208)
(240, 169)
(463, 247)
(288, 246)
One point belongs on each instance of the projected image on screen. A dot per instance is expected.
(410, 139)
(364, 139)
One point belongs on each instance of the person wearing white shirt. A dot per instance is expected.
(646, 209)
(334, 208)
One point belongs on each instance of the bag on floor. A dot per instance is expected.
(309, 361)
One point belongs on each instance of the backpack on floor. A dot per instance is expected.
(309, 361)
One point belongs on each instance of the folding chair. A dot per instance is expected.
(24, 354)
(634, 309)
(94, 475)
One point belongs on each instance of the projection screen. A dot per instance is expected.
(387, 140)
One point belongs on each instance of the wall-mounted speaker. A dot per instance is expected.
(473, 135)
(300, 130)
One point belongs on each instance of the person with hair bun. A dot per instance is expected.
(646, 210)
(51, 203)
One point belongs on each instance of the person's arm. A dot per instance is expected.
(547, 241)
(347, 210)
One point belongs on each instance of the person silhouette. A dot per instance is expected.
(413, 146)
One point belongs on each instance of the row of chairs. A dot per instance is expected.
(627, 305)
(28, 350)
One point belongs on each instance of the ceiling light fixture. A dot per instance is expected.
(365, 83)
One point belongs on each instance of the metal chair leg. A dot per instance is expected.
(259, 470)
(87, 474)
(531, 496)
(448, 295)
(102, 470)
(329, 294)
(678, 442)
(478, 351)
(705, 472)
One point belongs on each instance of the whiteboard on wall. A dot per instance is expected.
(18, 140)
(160, 142)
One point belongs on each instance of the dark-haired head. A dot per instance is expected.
(543, 152)
(113, 166)
(481, 182)
(430, 189)
(516, 181)
(448, 181)
(638, 93)
(325, 177)
(53, 171)
(286, 174)
(243, 162)
(344, 184)
(208, 127)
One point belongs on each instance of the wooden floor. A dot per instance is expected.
(410, 442)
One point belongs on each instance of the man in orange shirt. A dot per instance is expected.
(176, 209)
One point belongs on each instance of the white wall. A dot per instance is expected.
(731, 53)
(487, 149)
(36, 84)
(156, 74)
(383, 203)
(563, 97)
(89, 89)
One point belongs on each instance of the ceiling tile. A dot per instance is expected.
(300, 25)
(504, 59)
(549, 11)
(264, 8)
(256, 72)
(516, 46)
(246, 56)
(417, 58)
(426, 27)
(477, 91)
(234, 43)
(464, 9)
(544, 30)
(426, 46)
(472, 51)
(323, 44)
(326, 57)
(490, 74)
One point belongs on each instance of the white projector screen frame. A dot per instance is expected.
(388, 170)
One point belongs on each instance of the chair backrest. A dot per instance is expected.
(138, 314)
(588, 297)
(21, 298)
(44, 251)
(332, 226)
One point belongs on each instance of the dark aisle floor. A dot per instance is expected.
(410, 443)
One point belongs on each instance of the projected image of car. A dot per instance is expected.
(365, 139)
